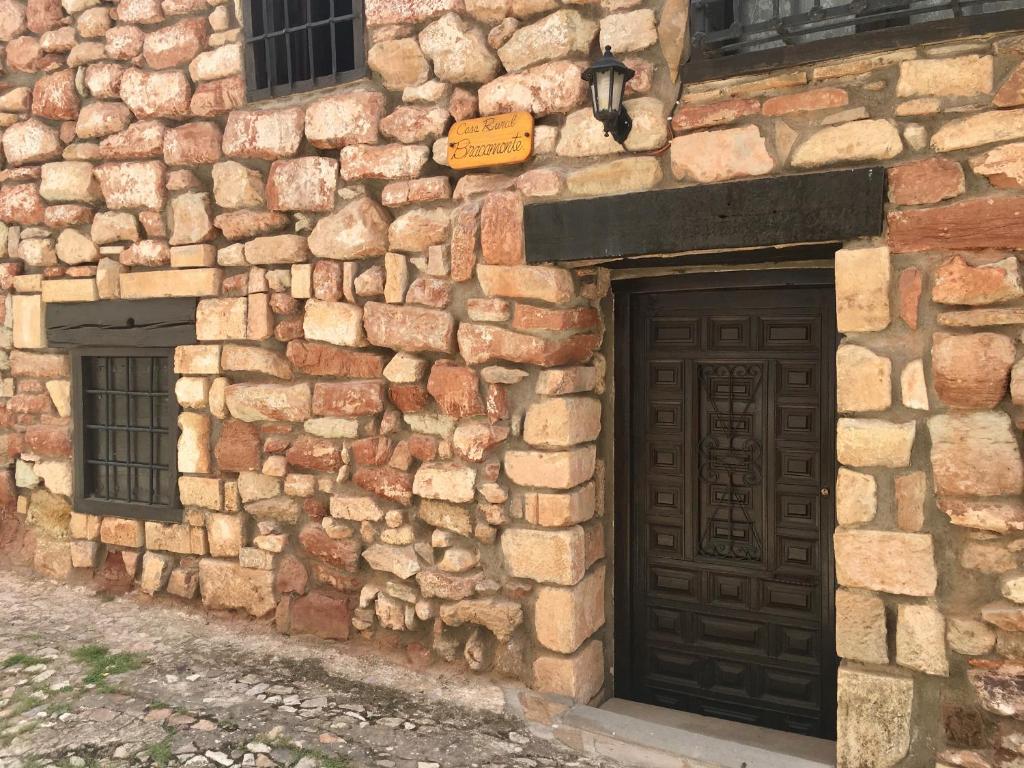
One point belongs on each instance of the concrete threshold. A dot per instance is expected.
(646, 736)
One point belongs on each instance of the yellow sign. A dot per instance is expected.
(495, 140)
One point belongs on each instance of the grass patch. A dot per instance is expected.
(101, 663)
(160, 753)
(21, 660)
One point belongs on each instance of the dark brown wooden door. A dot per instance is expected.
(727, 508)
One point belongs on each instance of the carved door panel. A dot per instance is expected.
(730, 593)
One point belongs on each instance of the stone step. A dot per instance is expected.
(646, 736)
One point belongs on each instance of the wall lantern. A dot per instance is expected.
(608, 77)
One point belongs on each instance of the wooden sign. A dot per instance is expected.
(495, 140)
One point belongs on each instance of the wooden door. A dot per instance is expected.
(725, 596)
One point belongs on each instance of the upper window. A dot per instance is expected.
(299, 45)
(125, 433)
(735, 36)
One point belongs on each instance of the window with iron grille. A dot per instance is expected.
(126, 433)
(299, 45)
(736, 36)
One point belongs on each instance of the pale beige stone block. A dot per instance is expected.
(863, 380)
(302, 281)
(194, 443)
(562, 422)
(856, 497)
(224, 534)
(911, 488)
(860, 627)
(60, 393)
(552, 556)
(169, 284)
(29, 323)
(886, 561)
(873, 718)
(954, 76)
(69, 289)
(874, 443)
(122, 532)
(579, 676)
(913, 387)
(556, 510)
(198, 359)
(551, 469)
(564, 617)
(862, 289)
(921, 639)
(970, 637)
(200, 492)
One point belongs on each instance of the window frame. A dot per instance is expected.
(699, 69)
(271, 91)
(171, 512)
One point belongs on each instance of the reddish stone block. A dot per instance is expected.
(238, 447)
(348, 398)
(243, 225)
(496, 403)
(320, 615)
(820, 98)
(55, 97)
(925, 181)
(303, 184)
(291, 576)
(217, 97)
(21, 204)
(971, 370)
(690, 117)
(483, 343)
(314, 453)
(456, 389)
(422, 447)
(388, 482)
(343, 553)
(430, 292)
(319, 359)
(192, 144)
(987, 222)
(372, 450)
(409, 398)
(501, 229)
(49, 440)
(909, 294)
(175, 45)
(410, 329)
(43, 15)
(464, 242)
(530, 318)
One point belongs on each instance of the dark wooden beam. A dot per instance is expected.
(151, 323)
(806, 208)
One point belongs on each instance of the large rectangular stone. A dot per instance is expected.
(551, 469)
(564, 617)
(886, 561)
(874, 443)
(554, 557)
(170, 283)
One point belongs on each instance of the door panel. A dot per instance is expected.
(729, 586)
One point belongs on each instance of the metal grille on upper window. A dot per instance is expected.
(126, 457)
(299, 45)
(734, 36)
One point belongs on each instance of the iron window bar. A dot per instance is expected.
(733, 37)
(292, 46)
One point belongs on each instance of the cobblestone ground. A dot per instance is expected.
(88, 682)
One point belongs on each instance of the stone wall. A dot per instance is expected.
(389, 425)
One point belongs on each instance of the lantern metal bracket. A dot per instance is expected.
(619, 127)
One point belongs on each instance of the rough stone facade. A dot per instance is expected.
(391, 424)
